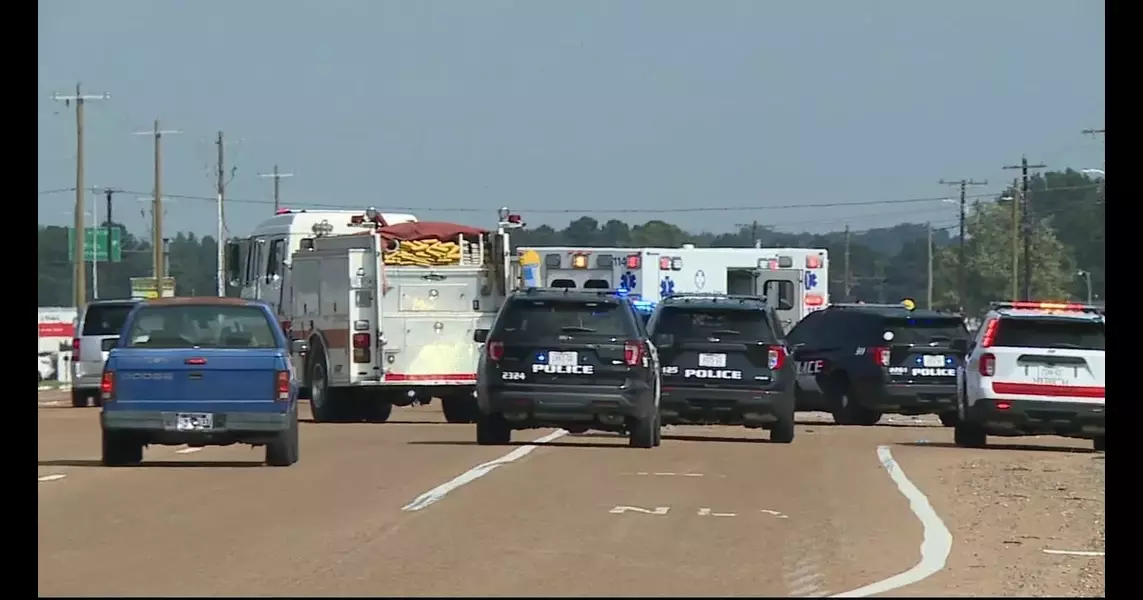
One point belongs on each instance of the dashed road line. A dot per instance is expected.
(1075, 552)
(936, 542)
(434, 495)
(53, 477)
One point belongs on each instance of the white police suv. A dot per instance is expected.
(1033, 368)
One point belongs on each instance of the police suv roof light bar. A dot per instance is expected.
(868, 305)
(1058, 306)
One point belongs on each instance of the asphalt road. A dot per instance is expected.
(712, 512)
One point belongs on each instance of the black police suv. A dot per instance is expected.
(575, 359)
(858, 361)
(724, 361)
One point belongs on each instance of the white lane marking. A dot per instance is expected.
(658, 510)
(54, 477)
(188, 450)
(51, 403)
(935, 545)
(671, 474)
(1075, 552)
(775, 513)
(434, 495)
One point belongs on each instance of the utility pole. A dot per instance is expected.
(1015, 239)
(757, 243)
(157, 243)
(108, 193)
(845, 285)
(221, 190)
(78, 257)
(929, 294)
(1027, 220)
(95, 250)
(961, 289)
(277, 176)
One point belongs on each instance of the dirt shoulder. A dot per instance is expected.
(1006, 506)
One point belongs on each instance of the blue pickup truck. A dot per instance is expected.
(201, 372)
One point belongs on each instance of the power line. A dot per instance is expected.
(589, 211)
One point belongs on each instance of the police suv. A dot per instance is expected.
(571, 358)
(724, 362)
(859, 361)
(1034, 368)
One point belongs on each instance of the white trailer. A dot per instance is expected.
(797, 277)
(370, 336)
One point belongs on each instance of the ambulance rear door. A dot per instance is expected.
(786, 288)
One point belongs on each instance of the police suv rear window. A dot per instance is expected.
(204, 326)
(105, 319)
(724, 323)
(553, 318)
(923, 331)
(1050, 333)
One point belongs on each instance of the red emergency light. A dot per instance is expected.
(813, 262)
(1060, 306)
(633, 261)
(664, 263)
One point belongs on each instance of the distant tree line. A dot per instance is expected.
(885, 264)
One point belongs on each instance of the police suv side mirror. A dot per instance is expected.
(480, 336)
(960, 346)
(664, 340)
(299, 347)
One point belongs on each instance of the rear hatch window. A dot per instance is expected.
(547, 319)
(727, 346)
(105, 319)
(925, 331)
(1050, 333)
(201, 326)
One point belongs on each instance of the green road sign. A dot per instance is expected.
(95, 246)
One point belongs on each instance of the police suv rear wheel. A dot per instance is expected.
(851, 412)
(949, 418)
(644, 432)
(782, 431)
(459, 408)
(969, 435)
(120, 449)
(493, 430)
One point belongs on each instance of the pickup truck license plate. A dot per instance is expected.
(563, 359)
(714, 361)
(194, 422)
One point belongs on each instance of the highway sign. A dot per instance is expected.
(95, 246)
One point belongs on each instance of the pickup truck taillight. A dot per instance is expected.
(107, 386)
(284, 386)
(361, 350)
(75, 347)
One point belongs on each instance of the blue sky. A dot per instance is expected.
(578, 106)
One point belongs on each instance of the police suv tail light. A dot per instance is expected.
(361, 350)
(632, 353)
(283, 385)
(777, 357)
(988, 365)
(880, 355)
(107, 386)
(495, 350)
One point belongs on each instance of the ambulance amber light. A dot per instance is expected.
(579, 261)
(633, 261)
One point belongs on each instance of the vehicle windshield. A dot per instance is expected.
(526, 319)
(925, 331)
(105, 319)
(704, 323)
(201, 326)
(1050, 333)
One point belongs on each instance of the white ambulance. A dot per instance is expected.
(799, 277)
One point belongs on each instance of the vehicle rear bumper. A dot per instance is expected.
(725, 406)
(570, 403)
(913, 398)
(1039, 417)
(229, 427)
(87, 383)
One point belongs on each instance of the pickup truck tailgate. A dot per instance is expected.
(197, 375)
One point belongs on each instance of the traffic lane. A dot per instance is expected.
(216, 522)
(586, 515)
(1012, 508)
